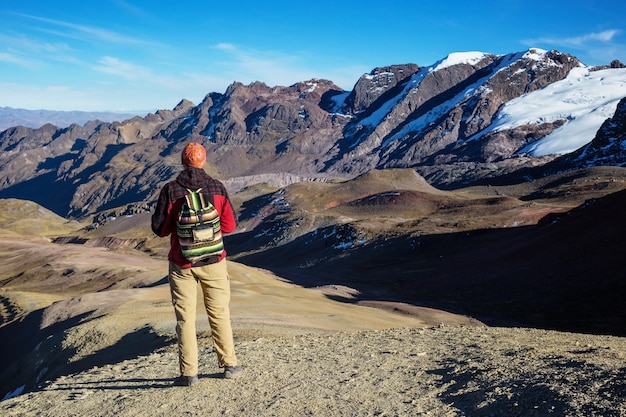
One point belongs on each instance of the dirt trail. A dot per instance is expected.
(438, 371)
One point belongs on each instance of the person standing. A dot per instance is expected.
(210, 272)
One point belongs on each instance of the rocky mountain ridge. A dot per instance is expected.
(395, 117)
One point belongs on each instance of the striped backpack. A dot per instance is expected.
(198, 228)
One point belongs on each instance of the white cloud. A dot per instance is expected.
(605, 36)
(277, 68)
(83, 32)
(596, 47)
(225, 46)
(126, 70)
(17, 60)
(580, 41)
(30, 53)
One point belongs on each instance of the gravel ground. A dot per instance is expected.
(436, 371)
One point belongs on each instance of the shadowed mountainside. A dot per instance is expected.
(552, 257)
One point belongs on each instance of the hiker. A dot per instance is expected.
(210, 271)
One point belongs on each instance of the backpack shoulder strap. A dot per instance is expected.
(194, 199)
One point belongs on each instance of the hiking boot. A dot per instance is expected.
(186, 381)
(231, 372)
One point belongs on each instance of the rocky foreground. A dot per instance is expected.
(435, 371)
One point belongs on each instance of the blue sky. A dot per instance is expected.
(124, 55)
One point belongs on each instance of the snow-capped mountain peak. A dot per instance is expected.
(458, 58)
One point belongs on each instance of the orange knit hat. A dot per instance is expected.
(194, 155)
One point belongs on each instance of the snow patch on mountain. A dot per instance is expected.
(584, 99)
(453, 59)
(457, 58)
(339, 101)
(377, 116)
(435, 113)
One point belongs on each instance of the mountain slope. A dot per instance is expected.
(566, 273)
(447, 121)
(450, 101)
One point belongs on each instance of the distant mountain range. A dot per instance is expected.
(10, 117)
(468, 118)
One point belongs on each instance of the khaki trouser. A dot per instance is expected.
(215, 286)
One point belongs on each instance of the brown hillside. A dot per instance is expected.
(475, 251)
(567, 274)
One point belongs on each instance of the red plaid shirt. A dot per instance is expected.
(171, 200)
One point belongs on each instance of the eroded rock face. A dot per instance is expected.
(256, 114)
(375, 85)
